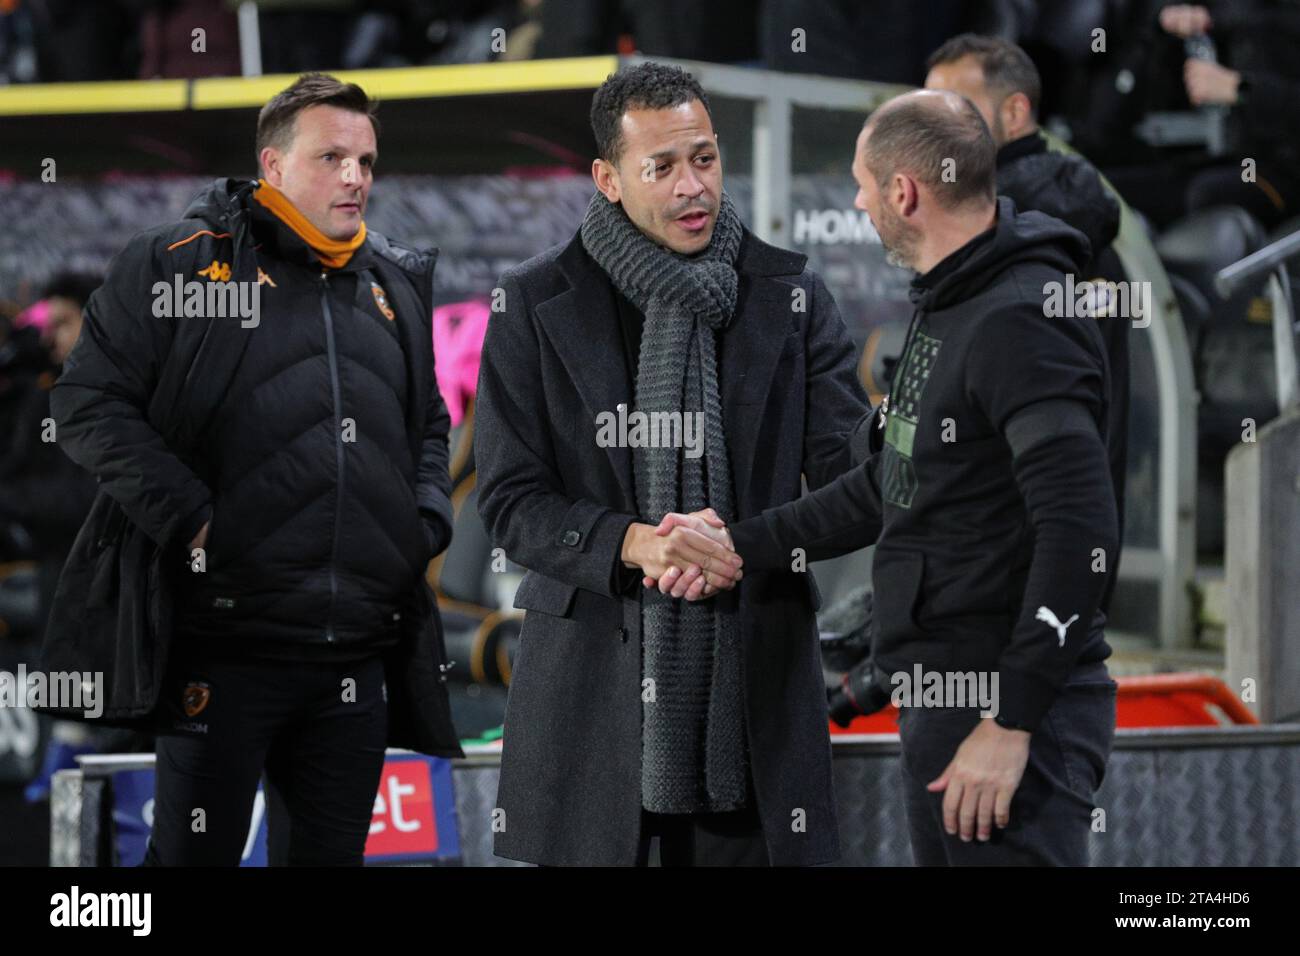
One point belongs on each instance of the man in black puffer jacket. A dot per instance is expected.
(254, 390)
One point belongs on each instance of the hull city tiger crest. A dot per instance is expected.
(196, 697)
(381, 300)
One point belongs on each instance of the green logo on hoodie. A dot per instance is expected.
(898, 474)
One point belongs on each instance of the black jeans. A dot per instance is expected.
(317, 729)
(1052, 810)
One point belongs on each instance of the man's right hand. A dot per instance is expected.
(1185, 20)
(691, 583)
(201, 538)
(657, 553)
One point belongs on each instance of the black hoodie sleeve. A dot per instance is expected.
(837, 518)
(100, 402)
(842, 513)
(1040, 381)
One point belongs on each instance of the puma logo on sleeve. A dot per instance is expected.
(1045, 615)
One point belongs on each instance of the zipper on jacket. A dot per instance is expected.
(338, 448)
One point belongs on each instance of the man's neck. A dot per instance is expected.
(334, 253)
(954, 232)
(1026, 141)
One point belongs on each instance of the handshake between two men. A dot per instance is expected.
(689, 556)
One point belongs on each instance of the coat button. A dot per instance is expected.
(571, 538)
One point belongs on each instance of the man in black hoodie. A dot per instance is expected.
(988, 489)
(1003, 83)
(253, 387)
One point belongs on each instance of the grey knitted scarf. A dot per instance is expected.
(693, 752)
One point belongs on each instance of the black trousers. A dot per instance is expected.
(702, 839)
(734, 838)
(318, 730)
(1052, 810)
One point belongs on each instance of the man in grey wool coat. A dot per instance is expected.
(663, 360)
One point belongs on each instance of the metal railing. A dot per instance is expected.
(1272, 261)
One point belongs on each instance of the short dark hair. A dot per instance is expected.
(1007, 68)
(76, 286)
(653, 86)
(918, 134)
(275, 122)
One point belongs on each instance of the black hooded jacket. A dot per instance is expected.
(325, 504)
(989, 489)
(1060, 184)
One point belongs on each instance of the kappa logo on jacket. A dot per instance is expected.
(217, 272)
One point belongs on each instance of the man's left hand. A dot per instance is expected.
(981, 779)
(691, 583)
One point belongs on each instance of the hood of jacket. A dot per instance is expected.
(1015, 238)
(221, 201)
(1060, 184)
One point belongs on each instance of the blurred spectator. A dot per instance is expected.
(17, 43)
(464, 31)
(299, 36)
(526, 34)
(887, 40)
(1258, 80)
(48, 496)
(23, 359)
(79, 40)
(721, 31)
(168, 41)
(302, 35)
(41, 490)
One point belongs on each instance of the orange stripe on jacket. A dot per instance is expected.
(201, 232)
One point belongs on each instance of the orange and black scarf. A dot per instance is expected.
(333, 253)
